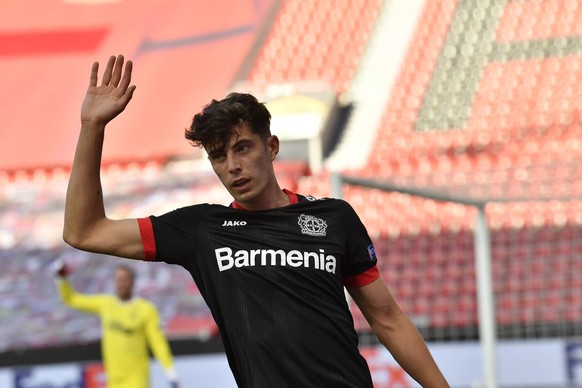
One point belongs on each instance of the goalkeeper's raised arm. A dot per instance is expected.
(130, 325)
(87, 303)
(86, 225)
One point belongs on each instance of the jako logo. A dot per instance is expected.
(234, 223)
(311, 225)
(227, 259)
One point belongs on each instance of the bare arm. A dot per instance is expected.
(86, 225)
(397, 333)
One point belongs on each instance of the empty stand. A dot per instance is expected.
(514, 141)
(318, 40)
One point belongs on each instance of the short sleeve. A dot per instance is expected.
(360, 263)
(171, 237)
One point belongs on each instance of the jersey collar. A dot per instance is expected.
(292, 200)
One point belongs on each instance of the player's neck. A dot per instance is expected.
(270, 199)
(125, 298)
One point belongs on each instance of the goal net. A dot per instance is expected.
(425, 241)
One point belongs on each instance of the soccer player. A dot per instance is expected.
(130, 325)
(272, 266)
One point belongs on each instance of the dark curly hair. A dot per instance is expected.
(216, 123)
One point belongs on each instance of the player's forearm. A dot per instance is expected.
(84, 207)
(68, 294)
(87, 303)
(161, 350)
(66, 291)
(407, 346)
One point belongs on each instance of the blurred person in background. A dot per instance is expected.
(272, 266)
(130, 327)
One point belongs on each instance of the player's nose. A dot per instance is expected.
(233, 162)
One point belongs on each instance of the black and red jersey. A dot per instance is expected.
(274, 282)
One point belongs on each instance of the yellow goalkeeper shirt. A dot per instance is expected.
(128, 328)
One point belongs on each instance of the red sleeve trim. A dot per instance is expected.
(146, 230)
(363, 278)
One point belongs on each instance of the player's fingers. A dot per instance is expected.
(108, 71)
(126, 80)
(94, 71)
(117, 70)
(124, 100)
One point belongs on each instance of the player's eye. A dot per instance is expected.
(243, 148)
(217, 157)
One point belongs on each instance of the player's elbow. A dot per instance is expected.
(386, 320)
(72, 238)
(77, 238)
(73, 232)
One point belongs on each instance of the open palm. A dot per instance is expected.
(105, 101)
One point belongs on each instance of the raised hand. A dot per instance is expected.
(104, 102)
(60, 268)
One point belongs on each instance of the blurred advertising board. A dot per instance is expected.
(540, 363)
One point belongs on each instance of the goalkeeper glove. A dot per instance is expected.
(60, 268)
(172, 377)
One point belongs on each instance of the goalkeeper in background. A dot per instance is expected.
(129, 326)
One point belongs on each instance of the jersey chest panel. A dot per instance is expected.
(123, 319)
(310, 242)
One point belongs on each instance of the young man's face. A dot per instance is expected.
(123, 283)
(245, 166)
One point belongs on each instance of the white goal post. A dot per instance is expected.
(485, 295)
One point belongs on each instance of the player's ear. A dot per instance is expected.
(273, 145)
